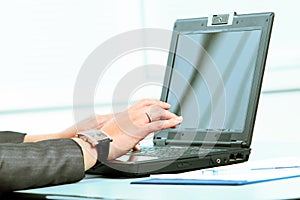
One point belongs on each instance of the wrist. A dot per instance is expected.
(114, 151)
(89, 152)
(99, 140)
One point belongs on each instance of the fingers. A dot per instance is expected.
(149, 110)
(157, 113)
(151, 102)
(163, 124)
(136, 148)
(168, 115)
(162, 119)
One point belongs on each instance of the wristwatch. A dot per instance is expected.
(98, 139)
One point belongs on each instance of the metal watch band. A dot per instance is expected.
(98, 139)
(103, 149)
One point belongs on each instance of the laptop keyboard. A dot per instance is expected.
(173, 151)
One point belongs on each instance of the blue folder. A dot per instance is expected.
(203, 181)
(218, 178)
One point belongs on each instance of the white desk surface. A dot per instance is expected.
(105, 188)
(122, 189)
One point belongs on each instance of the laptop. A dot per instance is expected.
(213, 79)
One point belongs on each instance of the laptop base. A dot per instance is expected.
(144, 168)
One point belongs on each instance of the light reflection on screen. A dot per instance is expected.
(233, 55)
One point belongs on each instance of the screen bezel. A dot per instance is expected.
(260, 21)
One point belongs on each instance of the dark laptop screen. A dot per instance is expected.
(213, 81)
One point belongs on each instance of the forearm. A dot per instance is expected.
(94, 122)
(37, 138)
(45, 163)
(89, 153)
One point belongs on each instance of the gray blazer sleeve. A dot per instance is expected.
(45, 163)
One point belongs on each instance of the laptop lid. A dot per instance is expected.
(213, 78)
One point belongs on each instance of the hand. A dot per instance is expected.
(128, 128)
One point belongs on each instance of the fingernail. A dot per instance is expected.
(179, 119)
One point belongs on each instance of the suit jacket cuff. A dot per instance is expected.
(11, 137)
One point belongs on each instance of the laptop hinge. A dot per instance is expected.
(235, 144)
(160, 141)
(238, 144)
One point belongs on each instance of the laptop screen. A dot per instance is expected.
(211, 83)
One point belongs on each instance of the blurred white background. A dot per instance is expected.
(43, 44)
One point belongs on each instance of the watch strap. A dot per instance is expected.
(103, 149)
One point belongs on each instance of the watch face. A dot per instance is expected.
(98, 135)
(94, 136)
